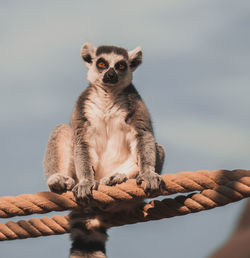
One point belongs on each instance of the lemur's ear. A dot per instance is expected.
(88, 53)
(135, 58)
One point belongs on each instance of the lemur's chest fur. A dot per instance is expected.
(112, 142)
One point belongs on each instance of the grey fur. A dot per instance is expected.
(72, 160)
(59, 183)
(109, 49)
(117, 178)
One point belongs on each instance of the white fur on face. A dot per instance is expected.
(96, 78)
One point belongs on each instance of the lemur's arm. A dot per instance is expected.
(139, 118)
(146, 151)
(83, 168)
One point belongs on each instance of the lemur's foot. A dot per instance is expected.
(154, 181)
(60, 183)
(83, 190)
(117, 178)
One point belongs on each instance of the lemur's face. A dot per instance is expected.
(110, 67)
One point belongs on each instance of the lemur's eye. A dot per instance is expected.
(101, 65)
(121, 67)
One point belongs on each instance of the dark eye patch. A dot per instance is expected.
(121, 66)
(102, 64)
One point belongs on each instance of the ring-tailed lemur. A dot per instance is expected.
(109, 139)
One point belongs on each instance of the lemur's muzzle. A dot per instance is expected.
(110, 76)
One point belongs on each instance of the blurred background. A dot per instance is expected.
(194, 79)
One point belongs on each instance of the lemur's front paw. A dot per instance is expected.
(60, 183)
(154, 182)
(117, 178)
(83, 190)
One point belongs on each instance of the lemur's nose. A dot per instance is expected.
(110, 76)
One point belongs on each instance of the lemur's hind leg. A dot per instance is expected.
(58, 161)
(160, 156)
(116, 178)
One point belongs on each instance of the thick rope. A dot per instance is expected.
(155, 210)
(34, 228)
(217, 188)
(223, 182)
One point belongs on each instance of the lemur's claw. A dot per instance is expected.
(154, 182)
(60, 183)
(116, 178)
(83, 191)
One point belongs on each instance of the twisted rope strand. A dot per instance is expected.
(223, 181)
(154, 210)
(34, 228)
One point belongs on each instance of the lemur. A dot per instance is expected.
(109, 139)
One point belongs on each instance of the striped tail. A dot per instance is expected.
(88, 234)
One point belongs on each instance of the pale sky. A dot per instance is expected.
(194, 79)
